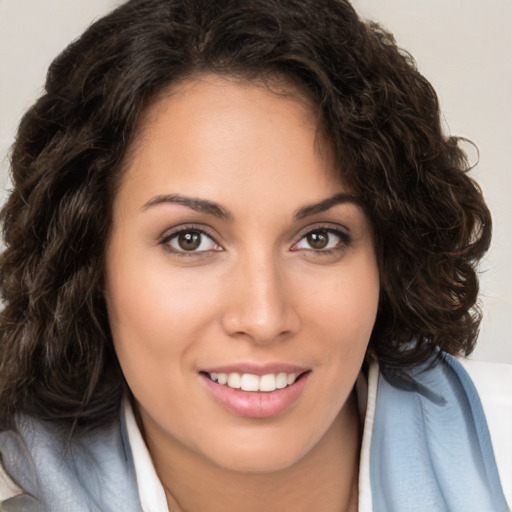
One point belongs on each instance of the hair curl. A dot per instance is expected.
(381, 116)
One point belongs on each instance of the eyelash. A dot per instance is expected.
(345, 240)
(167, 239)
(344, 237)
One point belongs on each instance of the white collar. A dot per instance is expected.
(151, 491)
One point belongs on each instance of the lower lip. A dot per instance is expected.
(256, 404)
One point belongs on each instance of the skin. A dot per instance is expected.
(254, 291)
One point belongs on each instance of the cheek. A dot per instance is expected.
(345, 310)
(156, 319)
(152, 303)
(154, 328)
(346, 302)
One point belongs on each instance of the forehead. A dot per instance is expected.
(213, 135)
(235, 96)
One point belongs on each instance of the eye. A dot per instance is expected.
(322, 240)
(190, 240)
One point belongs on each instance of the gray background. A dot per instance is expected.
(464, 47)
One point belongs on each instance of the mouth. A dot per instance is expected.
(256, 383)
(256, 391)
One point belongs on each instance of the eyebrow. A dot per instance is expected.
(211, 208)
(194, 203)
(326, 204)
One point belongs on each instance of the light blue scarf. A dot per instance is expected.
(94, 473)
(431, 452)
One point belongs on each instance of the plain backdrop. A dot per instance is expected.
(464, 47)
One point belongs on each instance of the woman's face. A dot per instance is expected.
(238, 258)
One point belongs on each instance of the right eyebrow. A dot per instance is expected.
(327, 204)
(194, 203)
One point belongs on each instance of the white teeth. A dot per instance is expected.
(234, 380)
(249, 382)
(281, 380)
(268, 382)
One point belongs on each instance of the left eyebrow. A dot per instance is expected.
(194, 203)
(326, 204)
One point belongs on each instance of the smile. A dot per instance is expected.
(261, 394)
(250, 382)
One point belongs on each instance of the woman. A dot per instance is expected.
(224, 215)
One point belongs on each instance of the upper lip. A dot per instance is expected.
(256, 368)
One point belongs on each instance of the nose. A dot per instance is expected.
(260, 305)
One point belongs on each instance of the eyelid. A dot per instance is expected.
(327, 226)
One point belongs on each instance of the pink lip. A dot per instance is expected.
(256, 404)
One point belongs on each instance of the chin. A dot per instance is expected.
(261, 463)
(259, 455)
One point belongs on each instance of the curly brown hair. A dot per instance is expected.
(429, 219)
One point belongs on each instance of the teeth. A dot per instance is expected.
(249, 382)
(281, 380)
(267, 382)
(234, 380)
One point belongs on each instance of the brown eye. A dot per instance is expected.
(189, 240)
(318, 239)
(323, 241)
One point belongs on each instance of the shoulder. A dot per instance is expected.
(493, 382)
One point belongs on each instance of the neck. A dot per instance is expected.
(324, 479)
